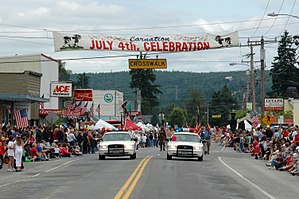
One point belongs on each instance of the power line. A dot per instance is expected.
(275, 18)
(262, 18)
(288, 18)
(141, 28)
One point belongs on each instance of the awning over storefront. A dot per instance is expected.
(22, 98)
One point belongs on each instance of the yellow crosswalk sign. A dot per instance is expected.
(268, 119)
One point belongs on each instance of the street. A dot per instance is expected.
(223, 174)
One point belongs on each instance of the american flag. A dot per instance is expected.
(197, 127)
(21, 118)
(91, 110)
(70, 109)
(83, 110)
(98, 110)
(255, 121)
(77, 109)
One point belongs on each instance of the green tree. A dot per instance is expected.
(194, 102)
(82, 81)
(64, 75)
(223, 103)
(284, 71)
(178, 116)
(155, 119)
(144, 81)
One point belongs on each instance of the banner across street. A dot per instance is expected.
(67, 41)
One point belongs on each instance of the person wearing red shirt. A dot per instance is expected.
(64, 151)
(55, 139)
(2, 150)
(285, 134)
(34, 153)
(255, 149)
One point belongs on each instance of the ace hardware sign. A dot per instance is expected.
(59, 89)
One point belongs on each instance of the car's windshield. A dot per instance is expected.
(117, 137)
(187, 138)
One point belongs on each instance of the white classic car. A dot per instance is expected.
(115, 144)
(186, 145)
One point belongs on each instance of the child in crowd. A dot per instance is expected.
(64, 151)
(56, 151)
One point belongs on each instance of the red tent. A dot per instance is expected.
(129, 123)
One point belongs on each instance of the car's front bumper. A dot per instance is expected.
(185, 153)
(124, 152)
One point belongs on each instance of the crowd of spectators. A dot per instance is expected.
(43, 143)
(277, 146)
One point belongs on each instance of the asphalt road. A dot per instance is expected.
(223, 174)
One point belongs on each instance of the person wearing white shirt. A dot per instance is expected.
(294, 133)
(11, 153)
(71, 137)
(18, 153)
(144, 138)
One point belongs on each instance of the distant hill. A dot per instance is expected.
(176, 86)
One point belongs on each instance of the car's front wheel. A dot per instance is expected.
(169, 157)
(133, 156)
(101, 157)
(200, 158)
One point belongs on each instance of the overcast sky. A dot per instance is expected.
(26, 28)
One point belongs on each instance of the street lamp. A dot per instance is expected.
(273, 14)
(252, 80)
(234, 63)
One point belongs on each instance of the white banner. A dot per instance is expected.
(274, 102)
(66, 41)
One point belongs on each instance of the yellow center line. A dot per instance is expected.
(131, 188)
(124, 187)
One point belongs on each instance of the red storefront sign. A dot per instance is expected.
(83, 94)
(45, 112)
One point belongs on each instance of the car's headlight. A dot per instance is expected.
(197, 148)
(172, 146)
(129, 146)
(103, 146)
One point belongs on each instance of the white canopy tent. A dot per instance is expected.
(102, 124)
(143, 127)
(248, 126)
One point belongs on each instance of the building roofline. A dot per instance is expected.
(48, 57)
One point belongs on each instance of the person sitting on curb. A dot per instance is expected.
(35, 156)
(64, 151)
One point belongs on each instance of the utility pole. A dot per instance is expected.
(262, 60)
(208, 115)
(262, 57)
(247, 91)
(252, 78)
